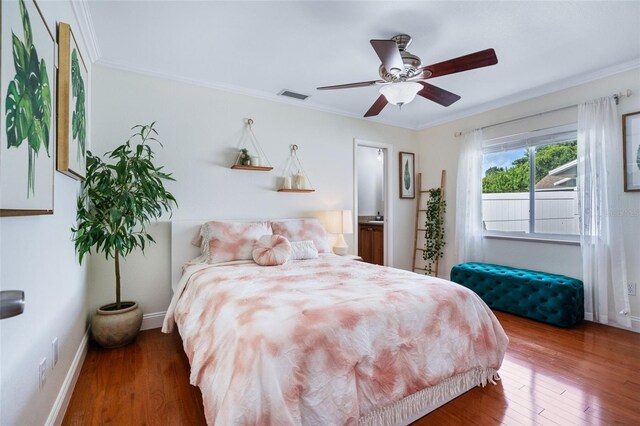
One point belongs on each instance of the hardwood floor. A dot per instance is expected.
(586, 375)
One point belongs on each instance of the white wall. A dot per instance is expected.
(440, 149)
(38, 257)
(370, 182)
(201, 128)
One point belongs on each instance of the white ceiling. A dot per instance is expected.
(263, 47)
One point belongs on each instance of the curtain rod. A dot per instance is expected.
(627, 93)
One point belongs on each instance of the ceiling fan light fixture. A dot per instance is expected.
(400, 93)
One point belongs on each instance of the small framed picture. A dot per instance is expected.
(407, 175)
(631, 150)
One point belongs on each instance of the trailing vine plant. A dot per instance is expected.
(434, 225)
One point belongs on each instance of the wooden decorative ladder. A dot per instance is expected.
(422, 212)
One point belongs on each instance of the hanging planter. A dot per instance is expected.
(434, 230)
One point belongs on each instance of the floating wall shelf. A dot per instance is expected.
(255, 168)
(296, 190)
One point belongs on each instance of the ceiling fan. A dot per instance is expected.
(402, 74)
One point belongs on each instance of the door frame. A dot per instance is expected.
(387, 150)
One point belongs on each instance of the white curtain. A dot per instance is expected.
(469, 199)
(600, 191)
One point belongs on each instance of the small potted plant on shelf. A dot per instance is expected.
(119, 197)
(244, 159)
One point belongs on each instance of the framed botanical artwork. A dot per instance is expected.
(631, 150)
(27, 76)
(73, 81)
(407, 175)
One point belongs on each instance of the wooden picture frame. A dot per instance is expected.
(631, 151)
(407, 175)
(28, 51)
(73, 83)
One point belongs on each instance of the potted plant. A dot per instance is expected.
(118, 199)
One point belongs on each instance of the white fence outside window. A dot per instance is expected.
(556, 212)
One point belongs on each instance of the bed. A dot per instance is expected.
(326, 341)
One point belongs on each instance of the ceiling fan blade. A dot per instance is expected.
(377, 106)
(389, 54)
(437, 95)
(483, 58)
(350, 85)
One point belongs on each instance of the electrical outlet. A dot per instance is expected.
(42, 372)
(54, 352)
(631, 289)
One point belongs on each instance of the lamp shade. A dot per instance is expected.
(339, 222)
(400, 93)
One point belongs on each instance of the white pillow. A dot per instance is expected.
(301, 250)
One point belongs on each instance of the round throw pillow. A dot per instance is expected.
(271, 250)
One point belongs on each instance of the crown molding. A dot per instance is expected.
(86, 30)
(535, 92)
(488, 106)
(244, 91)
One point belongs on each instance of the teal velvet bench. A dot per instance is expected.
(550, 298)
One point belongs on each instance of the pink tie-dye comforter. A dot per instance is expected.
(325, 341)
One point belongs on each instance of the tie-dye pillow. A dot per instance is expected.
(227, 241)
(271, 250)
(301, 230)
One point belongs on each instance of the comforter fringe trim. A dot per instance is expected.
(413, 404)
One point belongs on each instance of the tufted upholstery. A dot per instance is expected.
(554, 299)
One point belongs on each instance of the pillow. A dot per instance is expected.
(301, 250)
(227, 241)
(197, 239)
(271, 250)
(301, 230)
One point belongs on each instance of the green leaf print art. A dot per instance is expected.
(638, 158)
(78, 120)
(28, 102)
(407, 176)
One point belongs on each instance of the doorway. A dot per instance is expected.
(372, 201)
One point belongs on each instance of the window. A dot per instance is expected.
(529, 185)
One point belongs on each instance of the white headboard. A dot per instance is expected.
(182, 232)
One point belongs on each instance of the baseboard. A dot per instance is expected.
(64, 396)
(635, 322)
(153, 320)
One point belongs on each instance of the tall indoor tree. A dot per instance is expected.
(119, 198)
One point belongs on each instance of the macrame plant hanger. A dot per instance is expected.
(294, 178)
(247, 159)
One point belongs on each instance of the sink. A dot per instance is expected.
(375, 221)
